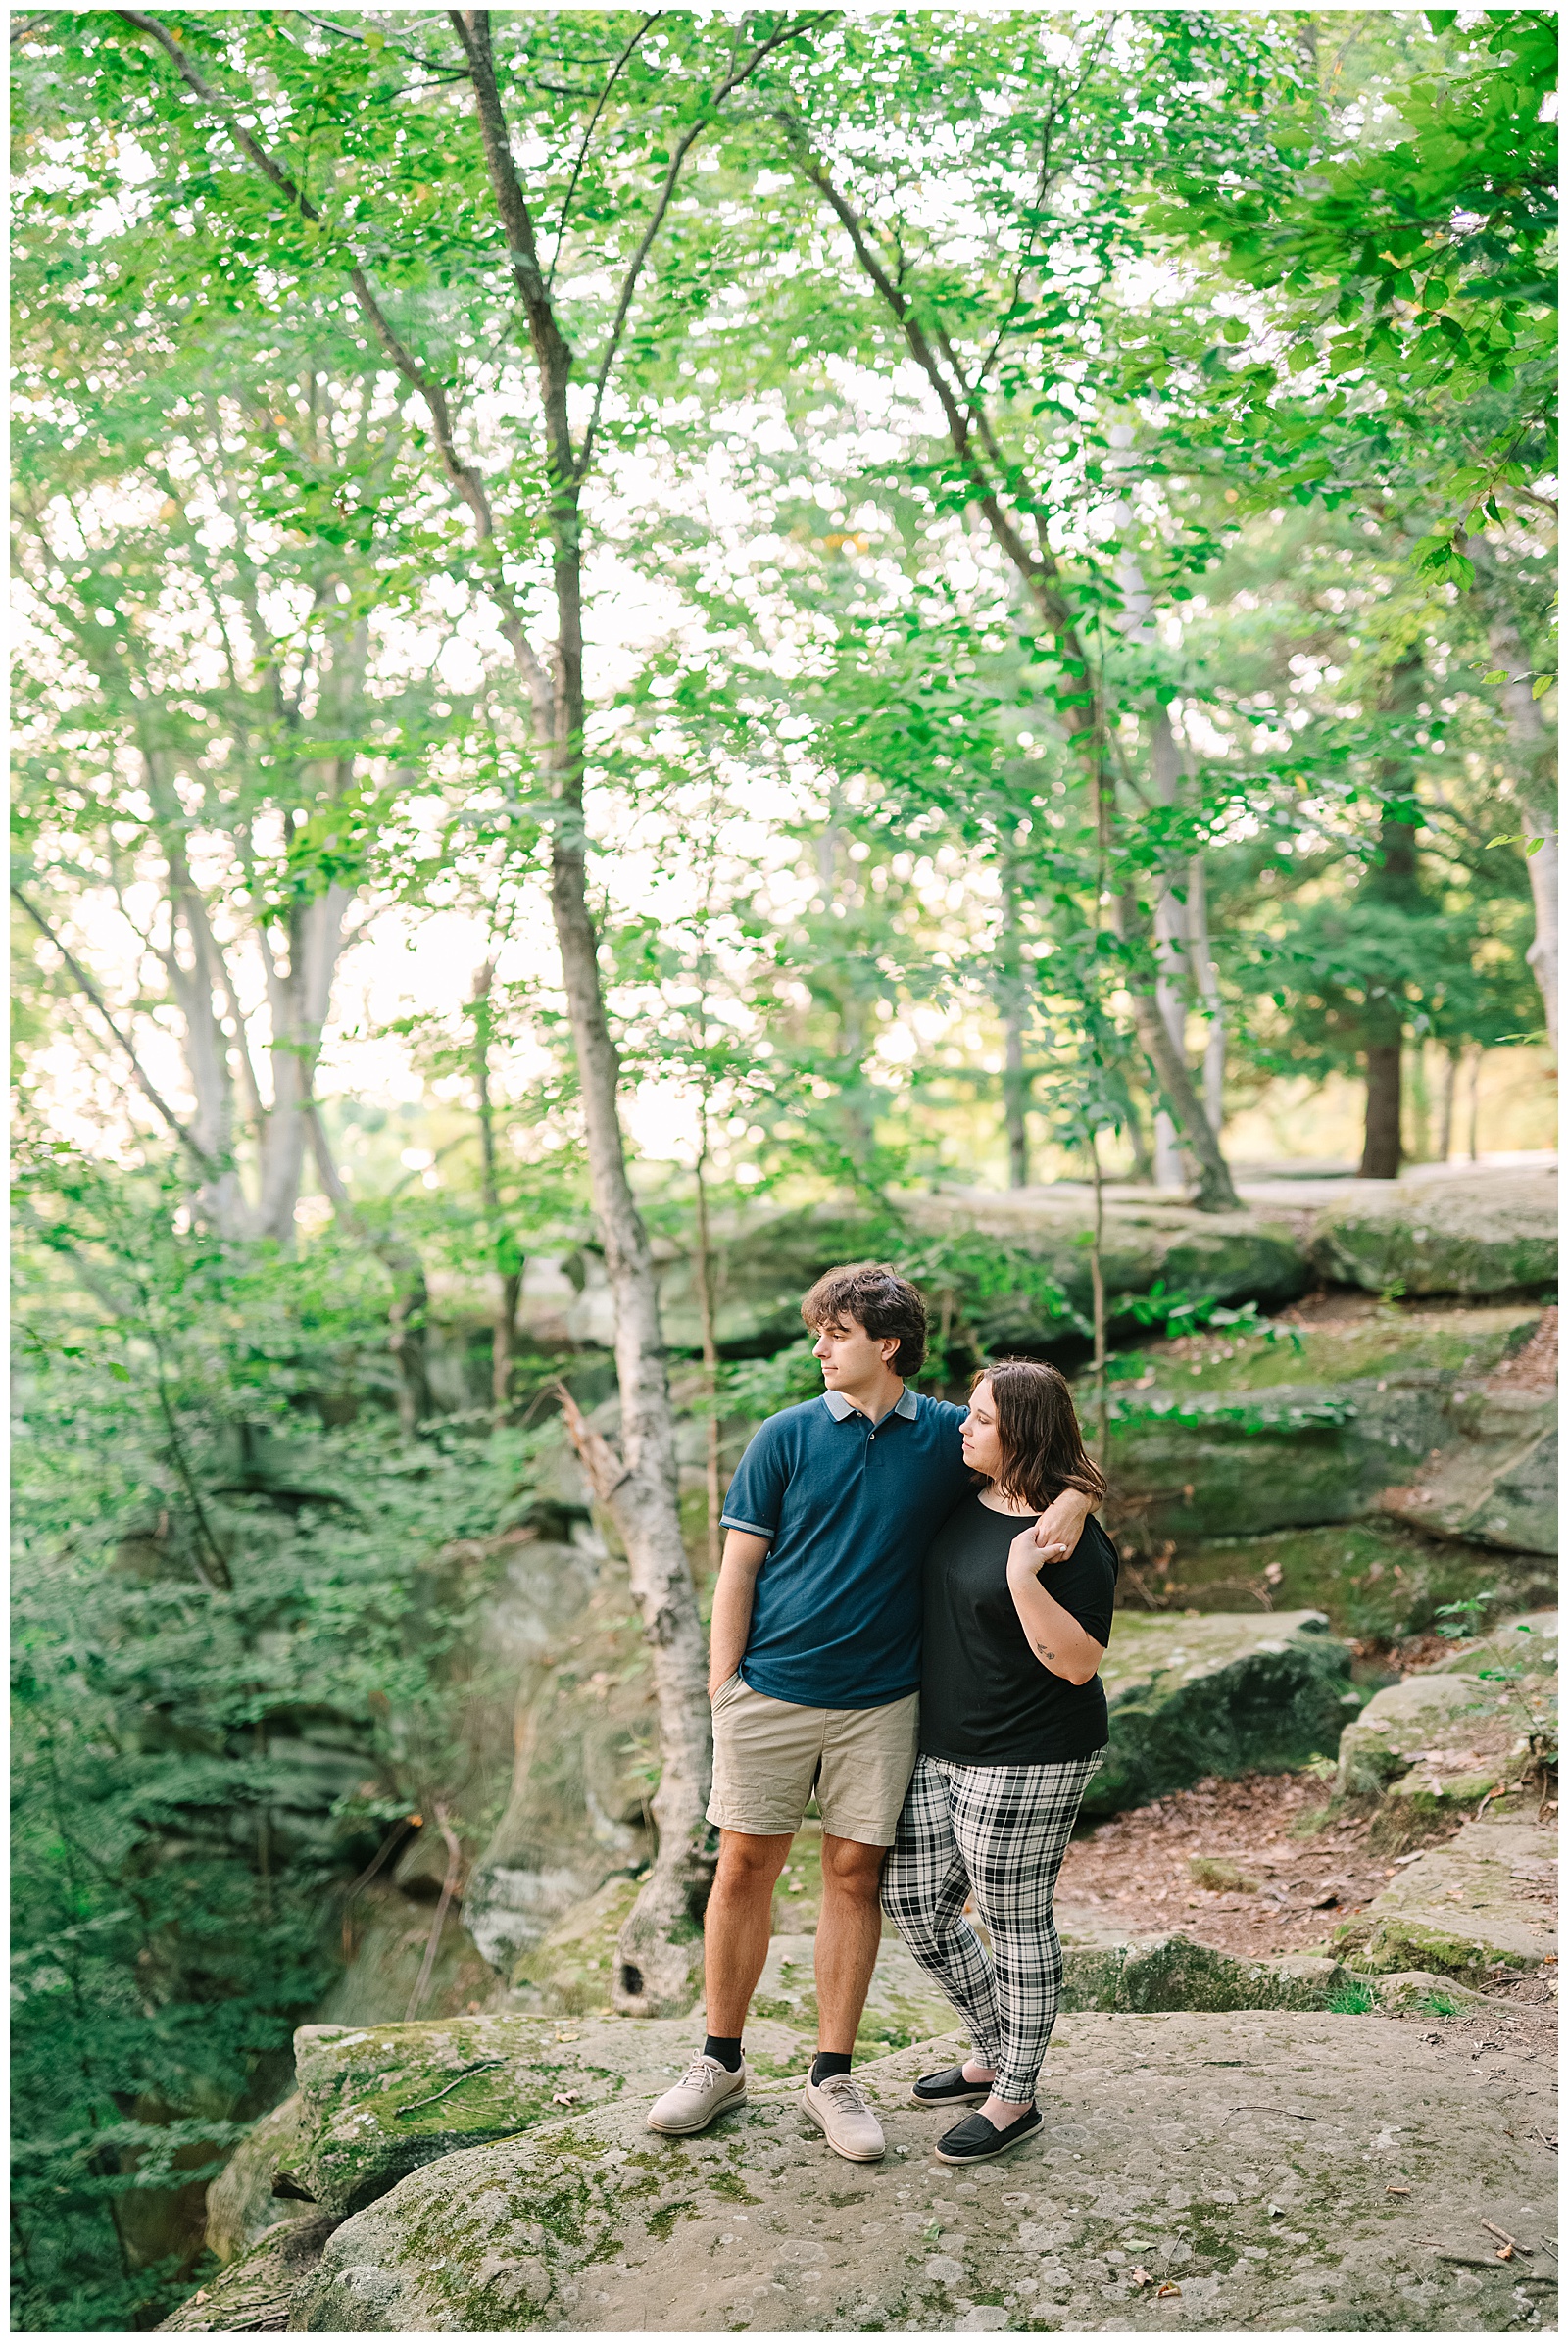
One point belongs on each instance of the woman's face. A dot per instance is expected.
(982, 1449)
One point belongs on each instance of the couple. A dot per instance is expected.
(855, 1522)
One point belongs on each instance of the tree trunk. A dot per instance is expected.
(1535, 781)
(1450, 1084)
(1202, 960)
(639, 1489)
(1381, 1150)
(706, 1315)
(1171, 951)
(1392, 879)
(506, 1265)
(1014, 1076)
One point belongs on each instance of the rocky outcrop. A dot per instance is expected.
(583, 1758)
(1245, 2159)
(1373, 1578)
(1223, 1694)
(1492, 1233)
(377, 2102)
(1229, 1434)
(241, 2202)
(258, 2293)
(1434, 1743)
(1484, 1900)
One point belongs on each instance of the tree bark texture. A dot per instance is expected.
(1014, 1026)
(638, 1487)
(1392, 880)
(1171, 948)
(1536, 784)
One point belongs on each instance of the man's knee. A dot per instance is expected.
(853, 1870)
(749, 1862)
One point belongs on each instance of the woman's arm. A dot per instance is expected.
(733, 1596)
(1056, 1638)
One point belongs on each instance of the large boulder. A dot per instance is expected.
(1227, 1257)
(258, 2292)
(378, 2102)
(241, 2202)
(1231, 1464)
(1242, 2161)
(1374, 1578)
(1226, 1694)
(1493, 1233)
(582, 1754)
(1229, 1433)
(1484, 1900)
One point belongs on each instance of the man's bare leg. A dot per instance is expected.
(738, 1923)
(848, 1935)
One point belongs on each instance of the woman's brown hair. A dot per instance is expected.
(1037, 1431)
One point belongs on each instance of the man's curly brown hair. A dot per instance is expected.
(869, 1293)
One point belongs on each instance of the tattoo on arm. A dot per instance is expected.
(1044, 1653)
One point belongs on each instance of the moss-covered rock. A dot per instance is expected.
(1245, 2157)
(1229, 1433)
(1483, 1900)
(261, 2287)
(1447, 1737)
(1225, 1695)
(1374, 1579)
(378, 2102)
(1227, 1258)
(583, 1759)
(1495, 1232)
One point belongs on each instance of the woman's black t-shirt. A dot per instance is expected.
(985, 1699)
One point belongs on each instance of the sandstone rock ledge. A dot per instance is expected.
(1245, 2158)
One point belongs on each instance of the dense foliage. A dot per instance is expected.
(1059, 509)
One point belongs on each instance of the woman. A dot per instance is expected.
(1012, 1724)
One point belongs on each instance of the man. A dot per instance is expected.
(815, 1668)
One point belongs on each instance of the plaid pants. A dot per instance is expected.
(998, 1833)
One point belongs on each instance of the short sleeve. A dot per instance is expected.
(757, 1491)
(1089, 1592)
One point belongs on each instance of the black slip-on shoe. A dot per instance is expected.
(950, 2088)
(977, 2140)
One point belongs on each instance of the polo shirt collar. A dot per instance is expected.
(838, 1406)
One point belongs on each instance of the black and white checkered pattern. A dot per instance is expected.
(998, 1833)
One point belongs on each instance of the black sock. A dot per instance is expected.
(827, 2062)
(726, 2049)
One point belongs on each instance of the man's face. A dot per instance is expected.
(852, 1359)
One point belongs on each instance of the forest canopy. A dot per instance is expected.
(625, 620)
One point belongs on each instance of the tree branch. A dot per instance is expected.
(208, 1168)
(643, 29)
(462, 476)
(732, 82)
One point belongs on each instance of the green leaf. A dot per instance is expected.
(1541, 686)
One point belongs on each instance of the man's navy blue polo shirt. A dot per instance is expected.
(851, 1507)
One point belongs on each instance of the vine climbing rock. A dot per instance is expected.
(1223, 2172)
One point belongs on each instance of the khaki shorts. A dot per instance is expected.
(770, 1757)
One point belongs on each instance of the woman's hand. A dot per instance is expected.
(1061, 1526)
(1026, 1558)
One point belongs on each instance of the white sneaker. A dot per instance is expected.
(706, 2088)
(841, 2106)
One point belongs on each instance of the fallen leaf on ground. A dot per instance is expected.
(1391, 2190)
(1139, 2276)
(1166, 2291)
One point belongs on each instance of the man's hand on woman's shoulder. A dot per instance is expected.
(1061, 1526)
